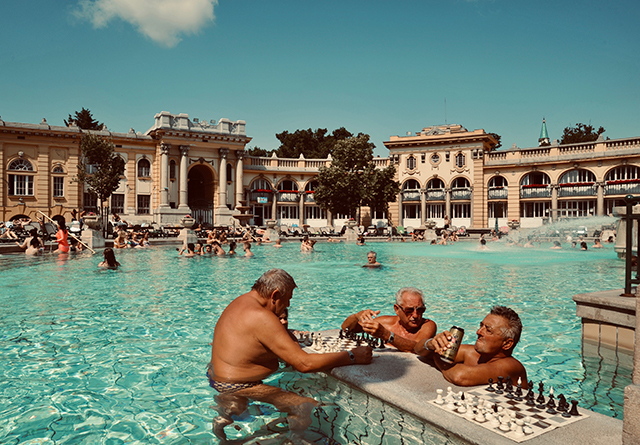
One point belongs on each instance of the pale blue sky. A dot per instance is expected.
(381, 68)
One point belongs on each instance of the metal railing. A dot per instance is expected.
(435, 195)
(622, 189)
(630, 218)
(535, 192)
(411, 195)
(457, 194)
(577, 190)
(497, 193)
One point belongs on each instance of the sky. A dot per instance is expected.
(374, 67)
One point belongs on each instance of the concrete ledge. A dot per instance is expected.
(607, 307)
(406, 382)
(631, 430)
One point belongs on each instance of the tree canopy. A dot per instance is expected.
(84, 119)
(256, 151)
(312, 144)
(352, 179)
(100, 167)
(498, 138)
(580, 133)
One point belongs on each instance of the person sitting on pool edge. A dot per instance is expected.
(404, 330)
(490, 357)
(372, 260)
(248, 340)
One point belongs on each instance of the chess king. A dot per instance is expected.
(490, 357)
(405, 330)
(248, 340)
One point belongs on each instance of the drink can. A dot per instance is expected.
(450, 355)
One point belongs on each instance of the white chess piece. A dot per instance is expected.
(527, 430)
(480, 418)
(439, 399)
(519, 431)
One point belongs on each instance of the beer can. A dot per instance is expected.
(450, 355)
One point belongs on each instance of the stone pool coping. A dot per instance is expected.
(406, 382)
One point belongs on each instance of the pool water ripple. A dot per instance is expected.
(119, 356)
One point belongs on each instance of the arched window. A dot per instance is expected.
(58, 181)
(622, 173)
(287, 186)
(311, 186)
(577, 176)
(460, 183)
(497, 182)
(172, 169)
(261, 185)
(20, 184)
(460, 160)
(411, 184)
(57, 169)
(144, 168)
(21, 165)
(435, 184)
(411, 162)
(536, 178)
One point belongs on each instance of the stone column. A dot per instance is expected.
(164, 176)
(239, 176)
(274, 206)
(447, 205)
(184, 161)
(222, 176)
(423, 206)
(301, 210)
(401, 211)
(554, 202)
(600, 199)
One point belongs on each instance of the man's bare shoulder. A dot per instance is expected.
(387, 319)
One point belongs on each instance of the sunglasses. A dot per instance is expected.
(409, 310)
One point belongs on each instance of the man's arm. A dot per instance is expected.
(381, 330)
(352, 322)
(275, 337)
(471, 375)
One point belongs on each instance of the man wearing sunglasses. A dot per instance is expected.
(490, 357)
(404, 330)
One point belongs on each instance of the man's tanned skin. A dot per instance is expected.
(490, 357)
(408, 325)
(247, 343)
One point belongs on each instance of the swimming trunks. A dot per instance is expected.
(227, 388)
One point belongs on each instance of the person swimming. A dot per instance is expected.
(109, 259)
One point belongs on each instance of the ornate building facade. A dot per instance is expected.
(189, 166)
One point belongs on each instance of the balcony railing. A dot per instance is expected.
(458, 194)
(576, 190)
(253, 196)
(497, 193)
(410, 195)
(288, 197)
(536, 191)
(629, 188)
(309, 197)
(435, 195)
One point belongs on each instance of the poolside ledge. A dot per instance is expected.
(406, 382)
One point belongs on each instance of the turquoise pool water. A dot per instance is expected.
(118, 356)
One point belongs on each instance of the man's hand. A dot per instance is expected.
(363, 354)
(374, 328)
(366, 315)
(441, 342)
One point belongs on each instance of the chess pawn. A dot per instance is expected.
(490, 388)
(500, 385)
(480, 418)
(439, 399)
(574, 408)
(519, 431)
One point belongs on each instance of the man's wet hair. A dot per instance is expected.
(274, 279)
(514, 325)
(409, 290)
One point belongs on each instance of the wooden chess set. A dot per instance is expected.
(508, 411)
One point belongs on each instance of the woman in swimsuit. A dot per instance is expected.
(61, 237)
(109, 259)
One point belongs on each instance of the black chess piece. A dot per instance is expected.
(462, 396)
(500, 385)
(541, 399)
(341, 334)
(551, 405)
(518, 393)
(574, 408)
(490, 388)
(495, 408)
(563, 406)
(509, 387)
(531, 397)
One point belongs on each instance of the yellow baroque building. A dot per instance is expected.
(190, 166)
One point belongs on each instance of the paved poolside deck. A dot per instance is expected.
(406, 382)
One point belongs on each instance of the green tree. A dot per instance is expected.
(580, 133)
(100, 168)
(498, 138)
(256, 151)
(352, 179)
(312, 144)
(84, 119)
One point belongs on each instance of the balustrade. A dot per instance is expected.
(497, 193)
(577, 190)
(410, 195)
(435, 195)
(542, 191)
(458, 194)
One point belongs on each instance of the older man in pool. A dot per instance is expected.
(403, 330)
(248, 341)
(490, 357)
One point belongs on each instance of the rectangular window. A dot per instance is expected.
(435, 211)
(411, 211)
(314, 212)
(378, 214)
(90, 202)
(497, 210)
(535, 209)
(58, 186)
(576, 209)
(117, 203)
(20, 185)
(144, 204)
(288, 212)
(461, 211)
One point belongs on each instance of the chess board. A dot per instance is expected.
(330, 343)
(538, 420)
